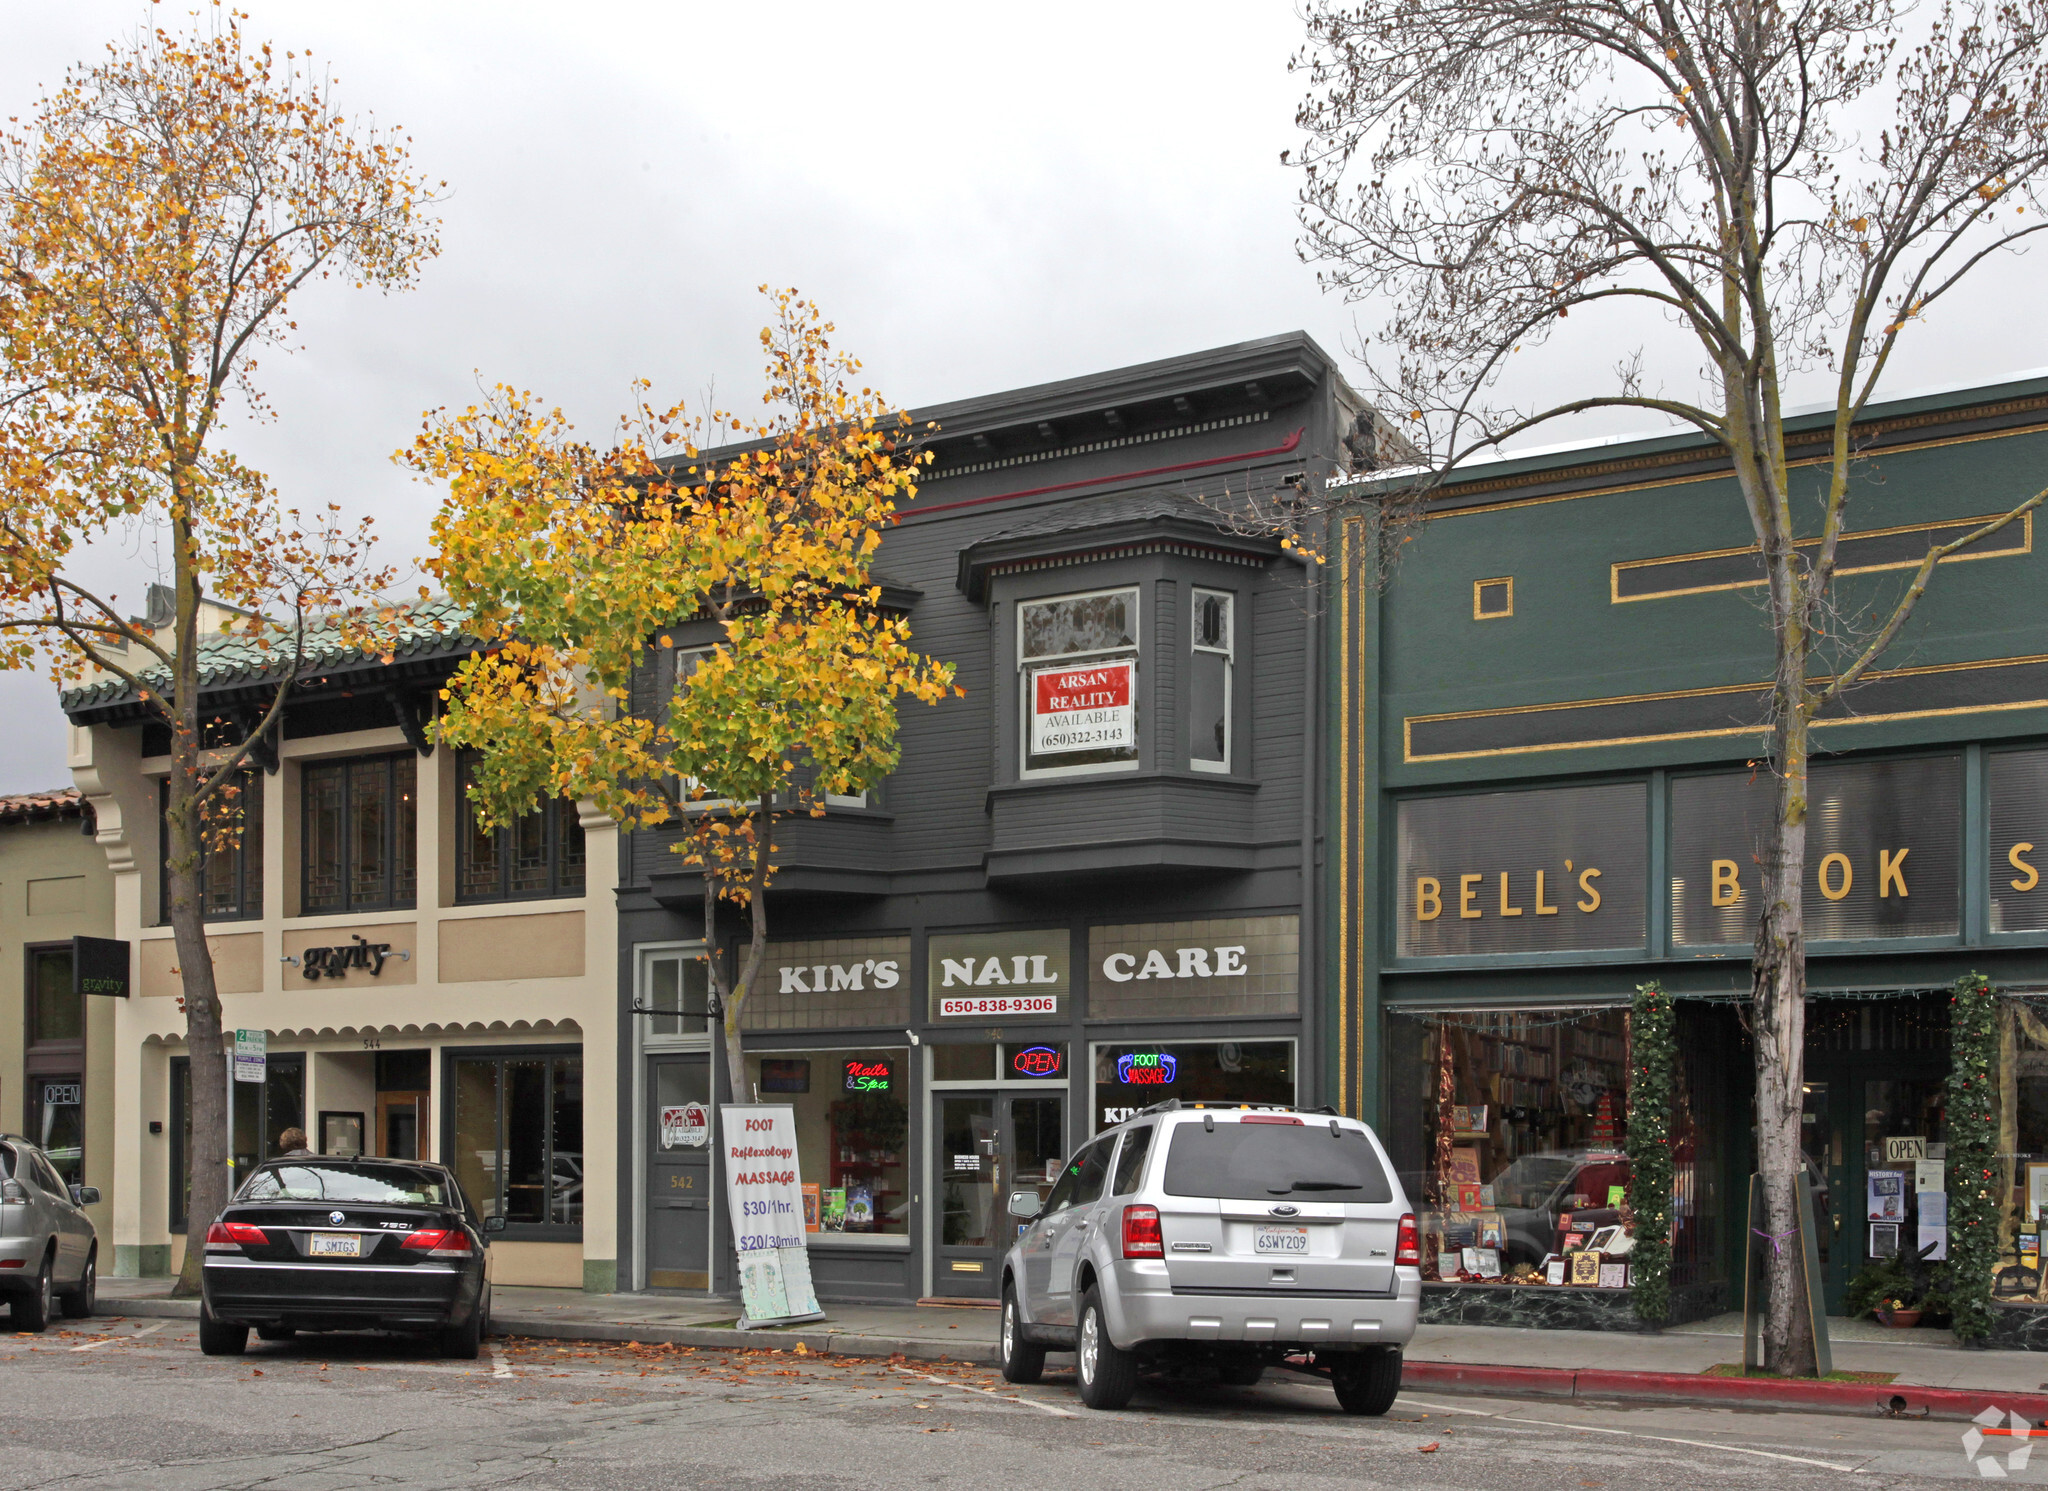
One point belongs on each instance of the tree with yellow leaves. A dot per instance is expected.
(577, 564)
(157, 215)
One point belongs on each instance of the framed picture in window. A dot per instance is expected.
(341, 1134)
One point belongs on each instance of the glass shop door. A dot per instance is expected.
(986, 1145)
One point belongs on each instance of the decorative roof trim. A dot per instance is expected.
(1062, 452)
(1125, 551)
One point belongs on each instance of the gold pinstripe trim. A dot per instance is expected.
(1723, 475)
(1615, 597)
(1410, 721)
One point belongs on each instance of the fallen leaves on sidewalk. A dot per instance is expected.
(1429, 1449)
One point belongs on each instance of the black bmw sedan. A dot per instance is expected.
(311, 1243)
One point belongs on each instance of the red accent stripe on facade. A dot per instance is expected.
(1286, 447)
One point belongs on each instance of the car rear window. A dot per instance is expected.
(1260, 1161)
(395, 1185)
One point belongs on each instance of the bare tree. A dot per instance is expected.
(1740, 191)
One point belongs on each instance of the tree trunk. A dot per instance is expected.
(206, 1156)
(1778, 1027)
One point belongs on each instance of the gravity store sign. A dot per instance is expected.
(992, 975)
(1084, 709)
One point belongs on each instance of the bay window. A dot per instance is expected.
(1212, 651)
(1077, 660)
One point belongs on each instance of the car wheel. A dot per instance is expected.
(218, 1338)
(32, 1310)
(1023, 1361)
(275, 1332)
(1108, 1375)
(82, 1301)
(1240, 1371)
(464, 1343)
(1367, 1381)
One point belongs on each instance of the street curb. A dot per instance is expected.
(820, 1341)
(168, 1309)
(1555, 1384)
(541, 1327)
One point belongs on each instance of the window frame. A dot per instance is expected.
(1228, 652)
(557, 815)
(1134, 650)
(349, 904)
(248, 871)
(450, 1055)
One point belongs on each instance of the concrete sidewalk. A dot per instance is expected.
(1914, 1358)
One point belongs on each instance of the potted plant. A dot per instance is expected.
(1899, 1291)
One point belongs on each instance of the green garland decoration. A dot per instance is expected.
(1973, 1202)
(1652, 1092)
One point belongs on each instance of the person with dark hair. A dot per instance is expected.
(292, 1143)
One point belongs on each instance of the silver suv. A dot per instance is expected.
(1219, 1239)
(48, 1249)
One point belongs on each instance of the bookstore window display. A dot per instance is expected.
(852, 1135)
(1510, 1132)
(2022, 1154)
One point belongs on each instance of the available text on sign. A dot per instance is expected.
(1083, 709)
(767, 1204)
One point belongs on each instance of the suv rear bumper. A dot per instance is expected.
(1141, 1316)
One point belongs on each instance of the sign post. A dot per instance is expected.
(765, 1197)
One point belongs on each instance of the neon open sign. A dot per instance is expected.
(1146, 1068)
(867, 1076)
(1036, 1061)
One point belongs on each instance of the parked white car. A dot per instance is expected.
(1218, 1237)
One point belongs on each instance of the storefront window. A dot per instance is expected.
(518, 1135)
(852, 1133)
(1508, 1134)
(2023, 1151)
(1134, 1076)
(54, 1062)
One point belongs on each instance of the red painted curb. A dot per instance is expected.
(1726, 1392)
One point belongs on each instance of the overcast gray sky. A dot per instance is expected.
(980, 197)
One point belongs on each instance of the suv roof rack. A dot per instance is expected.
(1196, 1105)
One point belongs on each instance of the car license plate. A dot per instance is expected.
(1269, 1239)
(335, 1245)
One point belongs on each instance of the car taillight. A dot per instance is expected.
(227, 1237)
(1408, 1242)
(1141, 1233)
(439, 1242)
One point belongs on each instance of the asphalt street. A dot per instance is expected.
(133, 1403)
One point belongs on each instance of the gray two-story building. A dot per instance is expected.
(1090, 883)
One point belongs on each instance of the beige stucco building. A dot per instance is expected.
(56, 1046)
(424, 988)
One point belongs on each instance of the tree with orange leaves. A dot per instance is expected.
(576, 564)
(157, 215)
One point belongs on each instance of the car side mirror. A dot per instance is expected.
(85, 1195)
(1024, 1205)
(494, 1224)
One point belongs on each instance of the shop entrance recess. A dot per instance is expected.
(679, 1122)
(1876, 1075)
(985, 1146)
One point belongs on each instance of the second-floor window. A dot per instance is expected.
(1209, 681)
(538, 854)
(1078, 660)
(360, 834)
(231, 862)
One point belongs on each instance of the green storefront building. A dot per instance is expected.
(1551, 791)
